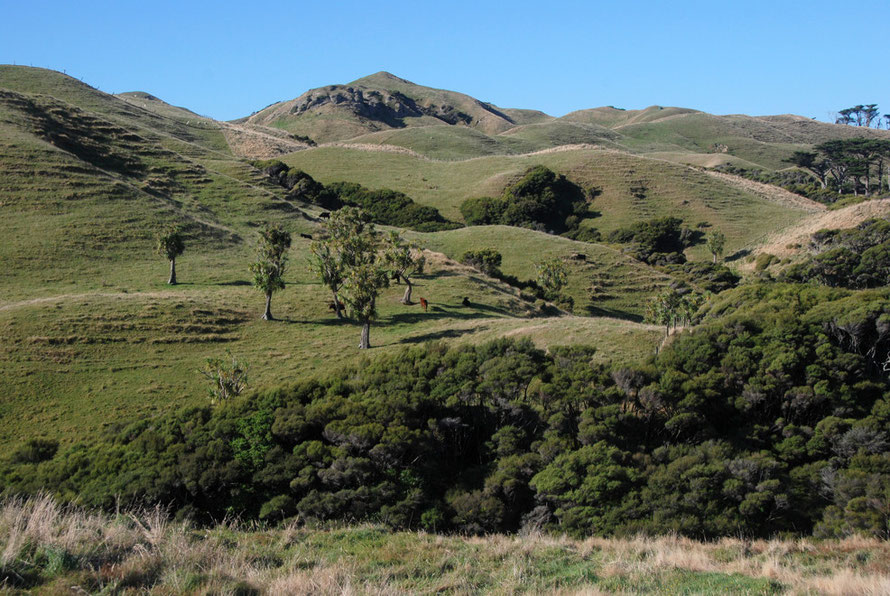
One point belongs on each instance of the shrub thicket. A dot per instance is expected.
(851, 258)
(387, 207)
(659, 241)
(772, 416)
(540, 200)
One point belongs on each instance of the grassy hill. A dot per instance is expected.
(381, 102)
(670, 189)
(91, 333)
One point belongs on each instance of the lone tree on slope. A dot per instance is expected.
(404, 259)
(268, 270)
(552, 276)
(716, 242)
(171, 245)
(352, 249)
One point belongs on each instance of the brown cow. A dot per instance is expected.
(333, 307)
(423, 304)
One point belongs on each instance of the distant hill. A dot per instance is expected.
(386, 110)
(383, 101)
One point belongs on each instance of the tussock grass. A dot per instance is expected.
(48, 548)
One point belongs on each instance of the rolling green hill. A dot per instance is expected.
(92, 334)
(670, 189)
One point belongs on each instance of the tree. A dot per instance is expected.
(404, 259)
(552, 276)
(486, 260)
(352, 249)
(325, 261)
(673, 308)
(807, 160)
(363, 284)
(716, 241)
(227, 375)
(171, 245)
(268, 270)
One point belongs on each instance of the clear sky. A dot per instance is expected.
(227, 59)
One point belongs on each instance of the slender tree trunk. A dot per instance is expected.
(337, 310)
(172, 280)
(366, 336)
(268, 314)
(406, 299)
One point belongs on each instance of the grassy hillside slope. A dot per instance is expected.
(670, 189)
(91, 333)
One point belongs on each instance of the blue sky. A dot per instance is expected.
(228, 59)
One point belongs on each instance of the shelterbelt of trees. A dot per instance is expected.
(771, 416)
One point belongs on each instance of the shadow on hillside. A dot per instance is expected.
(333, 320)
(237, 282)
(442, 273)
(444, 311)
(739, 254)
(598, 311)
(444, 334)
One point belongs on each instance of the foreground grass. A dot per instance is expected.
(48, 549)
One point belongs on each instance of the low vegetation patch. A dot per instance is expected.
(851, 258)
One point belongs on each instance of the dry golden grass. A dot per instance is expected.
(49, 548)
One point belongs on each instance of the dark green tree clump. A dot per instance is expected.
(658, 241)
(387, 207)
(392, 208)
(486, 260)
(771, 416)
(851, 258)
(541, 200)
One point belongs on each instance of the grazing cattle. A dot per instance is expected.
(423, 304)
(333, 307)
(465, 301)
(306, 236)
(325, 215)
(578, 256)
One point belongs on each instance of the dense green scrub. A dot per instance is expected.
(771, 416)
(851, 258)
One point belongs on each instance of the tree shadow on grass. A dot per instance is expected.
(598, 311)
(326, 322)
(739, 254)
(237, 282)
(444, 334)
(444, 311)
